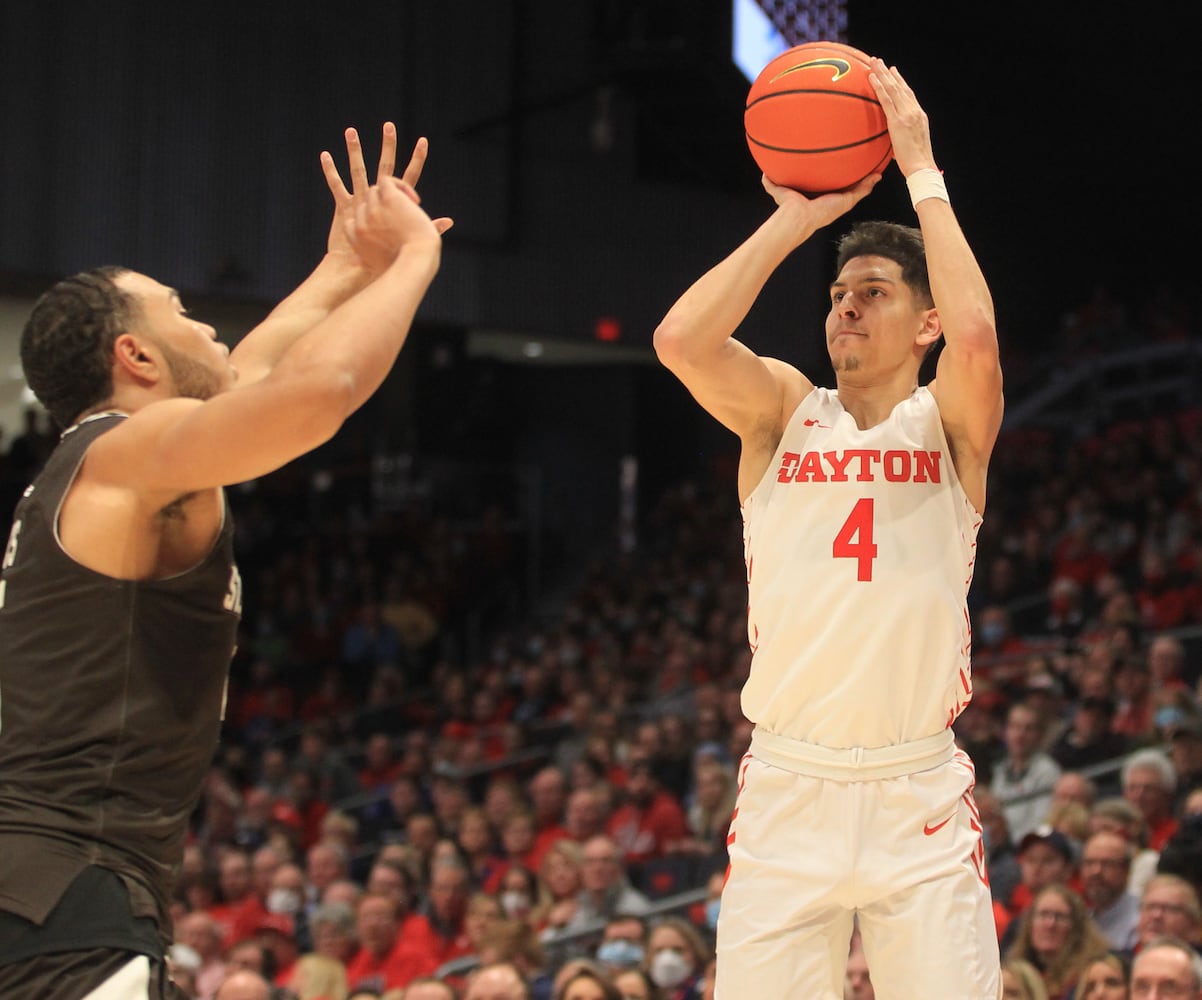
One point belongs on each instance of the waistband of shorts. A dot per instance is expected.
(853, 763)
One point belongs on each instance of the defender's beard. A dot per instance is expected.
(193, 380)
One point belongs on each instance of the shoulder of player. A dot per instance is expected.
(142, 427)
(120, 457)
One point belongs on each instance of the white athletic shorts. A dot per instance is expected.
(889, 836)
(131, 982)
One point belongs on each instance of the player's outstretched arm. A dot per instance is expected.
(341, 272)
(968, 381)
(696, 340)
(177, 446)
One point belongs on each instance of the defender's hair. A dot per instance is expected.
(67, 342)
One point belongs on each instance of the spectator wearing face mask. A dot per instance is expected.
(285, 898)
(523, 897)
(713, 903)
(623, 944)
(676, 959)
(997, 653)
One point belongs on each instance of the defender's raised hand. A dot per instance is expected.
(388, 217)
(346, 202)
(413, 173)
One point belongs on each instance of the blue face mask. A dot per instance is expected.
(993, 633)
(711, 913)
(1167, 717)
(620, 953)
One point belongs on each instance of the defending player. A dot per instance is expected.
(860, 507)
(119, 598)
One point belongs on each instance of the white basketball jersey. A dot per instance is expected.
(859, 548)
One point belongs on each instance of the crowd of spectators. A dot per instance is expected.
(394, 812)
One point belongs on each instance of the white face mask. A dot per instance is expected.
(669, 968)
(283, 901)
(514, 903)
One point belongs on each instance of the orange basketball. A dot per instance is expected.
(813, 121)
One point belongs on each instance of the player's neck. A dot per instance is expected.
(872, 403)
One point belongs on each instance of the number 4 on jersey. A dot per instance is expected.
(854, 540)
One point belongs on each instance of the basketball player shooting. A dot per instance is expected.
(860, 508)
(119, 598)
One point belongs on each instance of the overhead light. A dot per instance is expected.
(532, 349)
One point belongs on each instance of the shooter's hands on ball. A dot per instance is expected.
(821, 210)
(347, 202)
(909, 129)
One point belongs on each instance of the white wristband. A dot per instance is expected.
(927, 183)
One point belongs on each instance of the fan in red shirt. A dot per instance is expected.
(385, 959)
(265, 863)
(276, 933)
(650, 819)
(236, 893)
(304, 796)
(438, 934)
(1163, 603)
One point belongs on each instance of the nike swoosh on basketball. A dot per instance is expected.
(841, 67)
(928, 829)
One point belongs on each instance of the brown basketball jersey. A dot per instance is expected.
(111, 697)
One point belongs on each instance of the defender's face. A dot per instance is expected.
(874, 318)
(197, 363)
